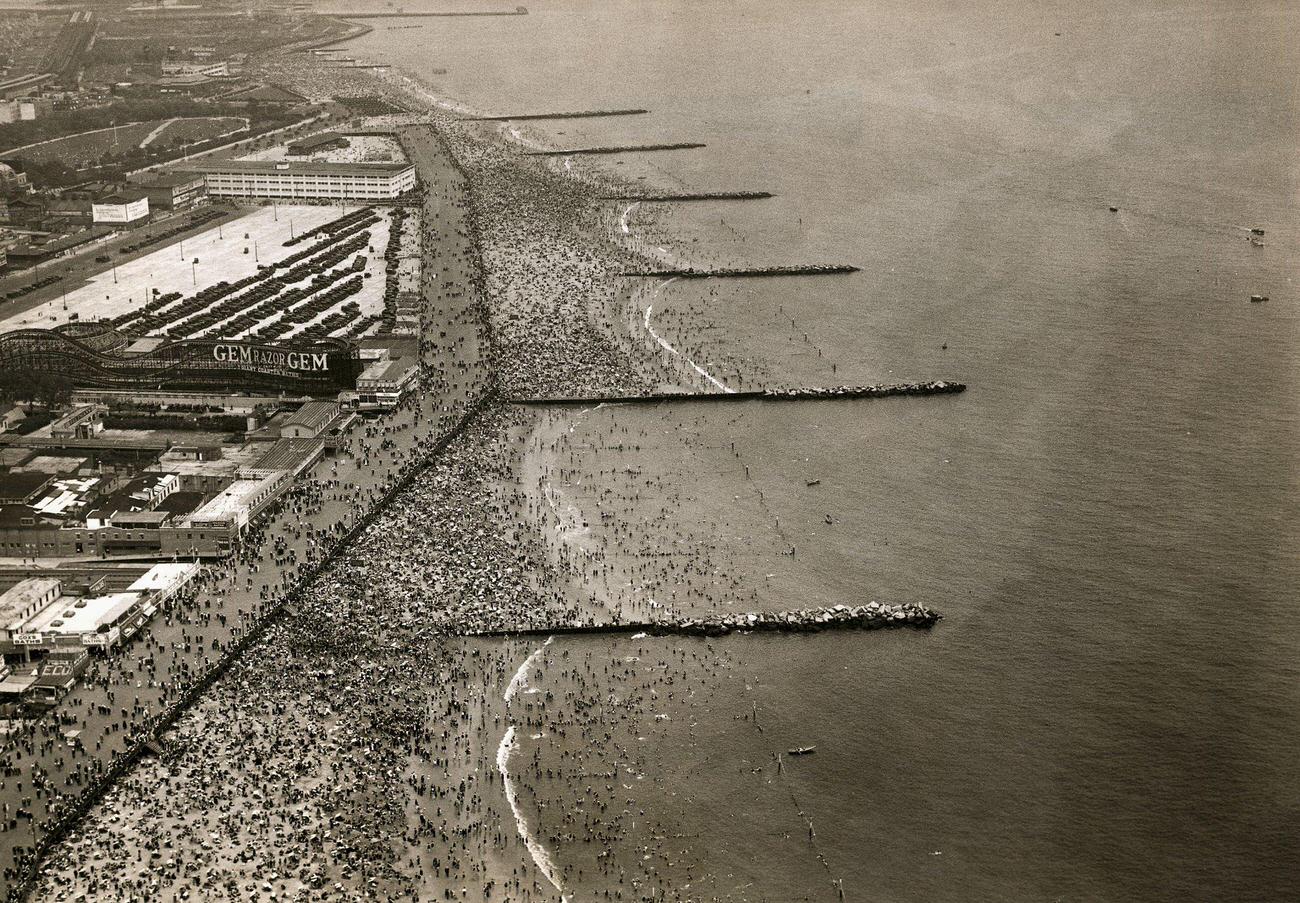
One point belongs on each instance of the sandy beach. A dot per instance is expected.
(407, 763)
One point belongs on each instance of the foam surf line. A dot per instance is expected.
(541, 857)
(622, 220)
(521, 676)
(669, 348)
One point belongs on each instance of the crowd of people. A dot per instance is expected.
(328, 733)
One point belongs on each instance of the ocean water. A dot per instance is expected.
(1107, 518)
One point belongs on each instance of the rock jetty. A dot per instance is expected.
(884, 390)
(872, 616)
(578, 114)
(815, 269)
(648, 198)
(804, 393)
(517, 11)
(616, 149)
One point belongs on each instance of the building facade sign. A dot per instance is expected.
(267, 360)
(325, 367)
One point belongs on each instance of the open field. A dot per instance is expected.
(241, 250)
(86, 147)
(196, 128)
(90, 147)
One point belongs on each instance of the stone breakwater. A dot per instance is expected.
(814, 269)
(517, 11)
(659, 197)
(616, 149)
(872, 616)
(883, 390)
(807, 393)
(578, 114)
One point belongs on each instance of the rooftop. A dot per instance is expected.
(288, 454)
(23, 487)
(143, 519)
(386, 370)
(314, 415)
(13, 456)
(272, 167)
(122, 197)
(317, 140)
(74, 615)
(232, 458)
(163, 576)
(170, 179)
(15, 601)
(51, 464)
(233, 500)
(67, 495)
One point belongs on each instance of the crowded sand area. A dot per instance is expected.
(361, 749)
(127, 691)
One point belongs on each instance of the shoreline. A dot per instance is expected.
(548, 255)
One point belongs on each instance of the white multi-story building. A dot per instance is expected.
(186, 67)
(307, 181)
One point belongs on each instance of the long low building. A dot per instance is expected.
(306, 180)
(41, 614)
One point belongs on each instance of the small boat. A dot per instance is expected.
(814, 482)
(801, 750)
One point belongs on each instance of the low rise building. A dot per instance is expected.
(11, 415)
(23, 487)
(40, 615)
(11, 180)
(173, 190)
(392, 370)
(209, 68)
(57, 675)
(310, 420)
(18, 605)
(82, 422)
(213, 529)
(315, 143)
